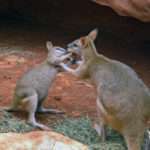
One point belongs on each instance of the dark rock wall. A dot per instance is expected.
(79, 16)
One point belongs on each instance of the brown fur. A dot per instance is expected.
(123, 100)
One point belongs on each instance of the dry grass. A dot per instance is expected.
(79, 129)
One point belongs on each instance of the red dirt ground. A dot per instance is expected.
(67, 93)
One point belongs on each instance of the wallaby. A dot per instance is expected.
(32, 88)
(123, 100)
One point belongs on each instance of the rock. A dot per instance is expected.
(139, 9)
(38, 140)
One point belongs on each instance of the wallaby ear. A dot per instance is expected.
(93, 34)
(84, 41)
(49, 45)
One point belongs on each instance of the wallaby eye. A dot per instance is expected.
(75, 45)
(71, 45)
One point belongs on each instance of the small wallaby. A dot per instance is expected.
(123, 100)
(32, 88)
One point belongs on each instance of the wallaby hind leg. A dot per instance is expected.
(133, 143)
(41, 109)
(100, 127)
(134, 139)
(32, 102)
(147, 140)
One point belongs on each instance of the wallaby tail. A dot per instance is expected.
(13, 107)
(8, 109)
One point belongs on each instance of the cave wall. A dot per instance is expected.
(79, 16)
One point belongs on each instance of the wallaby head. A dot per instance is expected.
(84, 45)
(54, 52)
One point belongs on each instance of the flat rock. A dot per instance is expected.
(38, 140)
(139, 9)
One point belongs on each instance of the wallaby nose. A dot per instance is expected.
(70, 47)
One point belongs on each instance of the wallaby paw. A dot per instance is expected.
(51, 111)
(60, 112)
(40, 126)
(97, 128)
(9, 109)
(100, 131)
(45, 128)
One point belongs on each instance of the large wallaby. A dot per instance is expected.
(123, 100)
(32, 89)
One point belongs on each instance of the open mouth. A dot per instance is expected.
(76, 55)
(74, 50)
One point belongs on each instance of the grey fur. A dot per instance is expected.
(32, 88)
